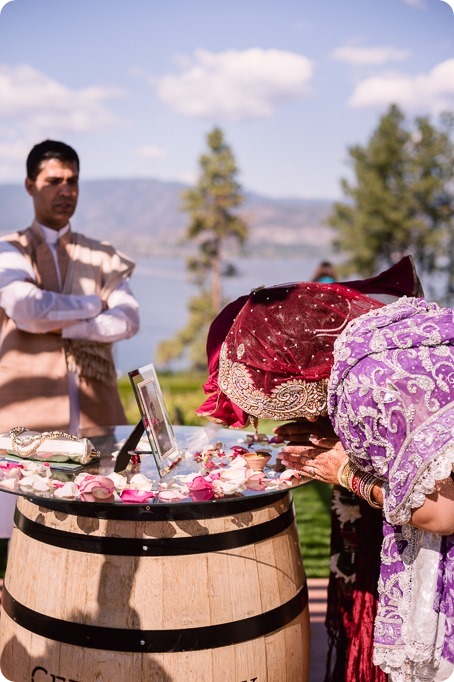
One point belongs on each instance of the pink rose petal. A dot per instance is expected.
(96, 489)
(201, 489)
(137, 496)
(7, 466)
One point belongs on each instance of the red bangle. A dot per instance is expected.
(355, 483)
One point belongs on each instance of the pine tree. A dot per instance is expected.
(401, 201)
(214, 226)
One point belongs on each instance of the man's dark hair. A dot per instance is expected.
(49, 149)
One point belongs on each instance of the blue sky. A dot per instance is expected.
(136, 85)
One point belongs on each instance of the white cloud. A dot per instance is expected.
(3, 3)
(188, 178)
(149, 151)
(36, 101)
(369, 55)
(235, 85)
(432, 91)
(419, 4)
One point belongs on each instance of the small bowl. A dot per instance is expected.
(257, 460)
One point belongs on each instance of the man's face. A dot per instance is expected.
(54, 193)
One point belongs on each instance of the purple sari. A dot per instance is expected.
(391, 400)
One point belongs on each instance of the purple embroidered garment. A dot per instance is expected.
(391, 400)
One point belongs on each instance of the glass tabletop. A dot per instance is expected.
(214, 465)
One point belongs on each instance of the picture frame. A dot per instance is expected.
(155, 416)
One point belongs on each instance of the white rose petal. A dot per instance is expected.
(140, 482)
(9, 484)
(68, 491)
(238, 463)
(228, 487)
(35, 483)
(234, 476)
(290, 473)
(36, 468)
(118, 480)
(171, 495)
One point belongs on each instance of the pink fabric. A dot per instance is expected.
(217, 407)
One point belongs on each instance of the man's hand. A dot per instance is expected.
(313, 448)
(304, 431)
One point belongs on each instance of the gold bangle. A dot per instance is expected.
(345, 473)
(340, 473)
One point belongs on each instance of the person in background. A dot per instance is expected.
(325, 273)
(65, 298)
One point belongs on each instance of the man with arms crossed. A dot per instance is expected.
(64, 299)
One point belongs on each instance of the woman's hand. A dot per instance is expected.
(320, 463)
(313, 448)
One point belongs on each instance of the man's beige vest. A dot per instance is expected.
(34, 367)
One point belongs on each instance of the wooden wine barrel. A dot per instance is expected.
(111, 593)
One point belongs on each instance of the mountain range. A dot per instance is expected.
(143, 217)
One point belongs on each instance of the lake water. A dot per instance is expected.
(162, 290)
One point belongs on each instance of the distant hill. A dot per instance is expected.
(143, 217)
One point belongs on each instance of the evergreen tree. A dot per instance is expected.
(214, 226)
(402, 199)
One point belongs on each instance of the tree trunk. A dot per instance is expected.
(216, 288)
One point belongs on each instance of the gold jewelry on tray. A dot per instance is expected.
(33, 441)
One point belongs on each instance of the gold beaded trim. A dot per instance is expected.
(292, 399)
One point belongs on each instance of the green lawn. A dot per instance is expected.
(312, 506)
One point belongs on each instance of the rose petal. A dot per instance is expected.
(171, 496)
(136, 496)
(201, 489)
(227, 487)
(101, 493)
(9, 466)
(9, 484)
(89, 497)
(291, 473)
(237, 476)
(256, 481)
(118, 480)
(140, 482)
(67, 491)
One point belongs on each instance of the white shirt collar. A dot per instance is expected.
(52, 236)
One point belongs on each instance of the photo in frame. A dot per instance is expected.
(155, 417)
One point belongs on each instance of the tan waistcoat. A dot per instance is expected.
(34, 367)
